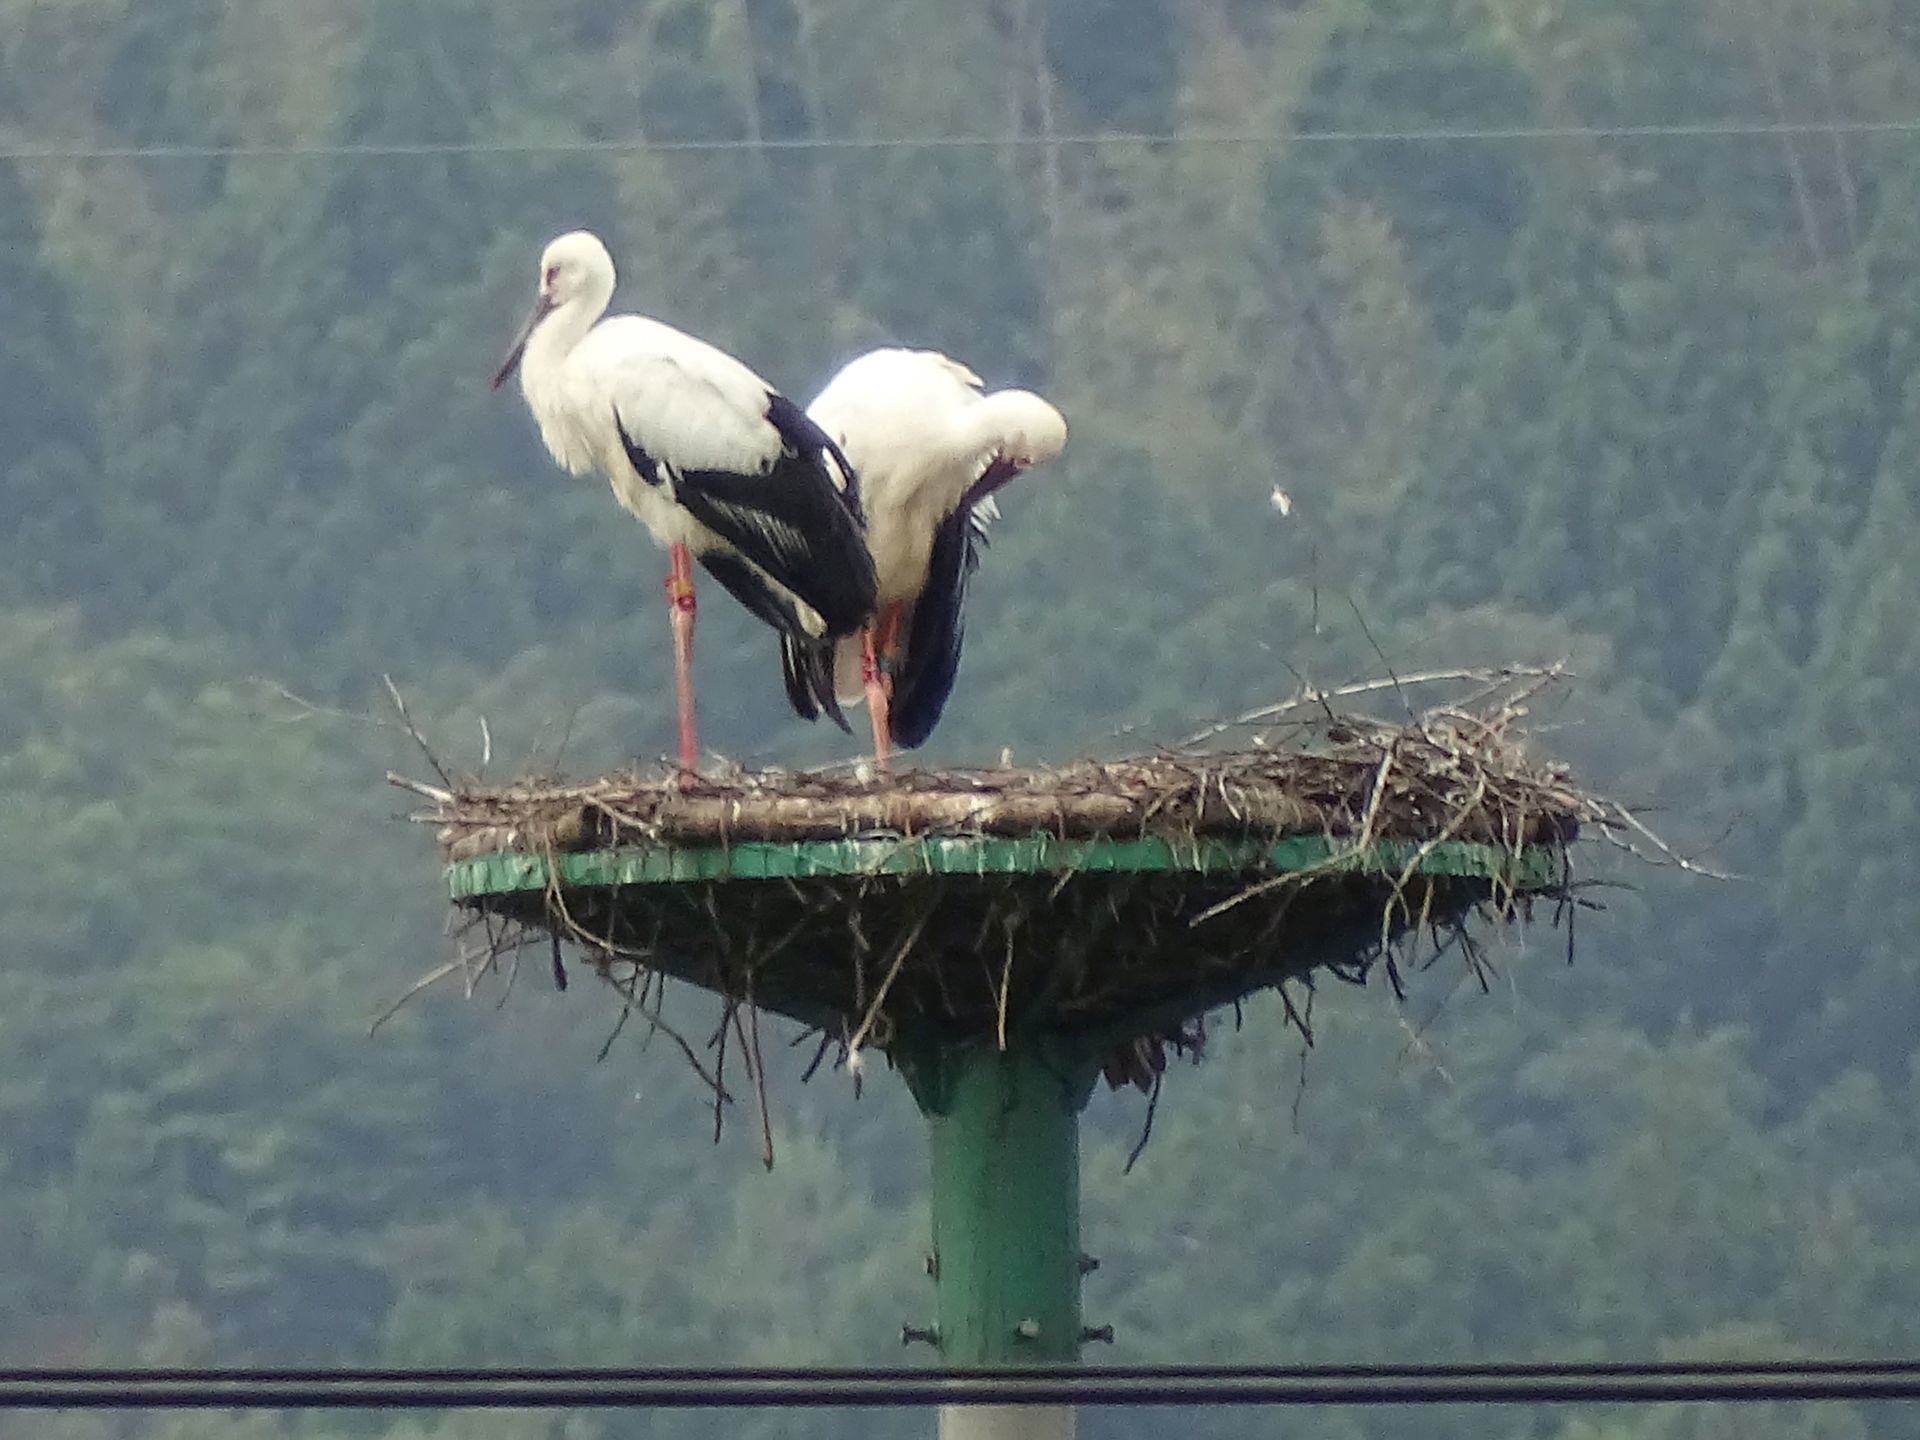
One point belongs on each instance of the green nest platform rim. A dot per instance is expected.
(1531, 869)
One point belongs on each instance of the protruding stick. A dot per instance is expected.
(680, 598)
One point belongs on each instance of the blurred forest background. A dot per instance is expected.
(1651, 402)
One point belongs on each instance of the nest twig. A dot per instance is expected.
(1131, 962)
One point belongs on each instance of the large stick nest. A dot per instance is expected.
(1130, 961)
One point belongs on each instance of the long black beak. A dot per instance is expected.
(542, 308)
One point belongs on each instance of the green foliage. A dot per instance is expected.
(47, 426)
(1652, 403)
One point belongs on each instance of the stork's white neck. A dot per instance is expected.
(557, 405)
(554, 337)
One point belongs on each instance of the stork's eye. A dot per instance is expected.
(552, 277)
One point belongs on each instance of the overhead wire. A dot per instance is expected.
(1435, 135)
(1541, 1384)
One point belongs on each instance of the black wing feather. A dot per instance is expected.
(793, 675)
(938, 625)
(932, 659)
(643, 462)
(792, 520)
(803, 436)
(809, 690)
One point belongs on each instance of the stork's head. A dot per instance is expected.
(574, 265)
(576, 273)
(1026, 429)
(1017, 430)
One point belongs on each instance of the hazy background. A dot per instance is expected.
(1644, 400)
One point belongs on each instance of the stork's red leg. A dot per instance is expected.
(886, 639)
(680, 598)
(877, 686)
(879, 642)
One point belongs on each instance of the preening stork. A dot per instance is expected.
(930, 450)
(713, 460)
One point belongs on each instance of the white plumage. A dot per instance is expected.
(930, 449)
(686, 403)
(715, 462)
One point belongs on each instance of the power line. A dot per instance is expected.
(814, 1388)
(637, 145)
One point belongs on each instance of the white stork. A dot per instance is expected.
(713, 460)
(930, 450)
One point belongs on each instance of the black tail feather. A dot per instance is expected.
(807, 668)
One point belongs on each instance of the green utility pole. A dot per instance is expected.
(1006, 1260)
